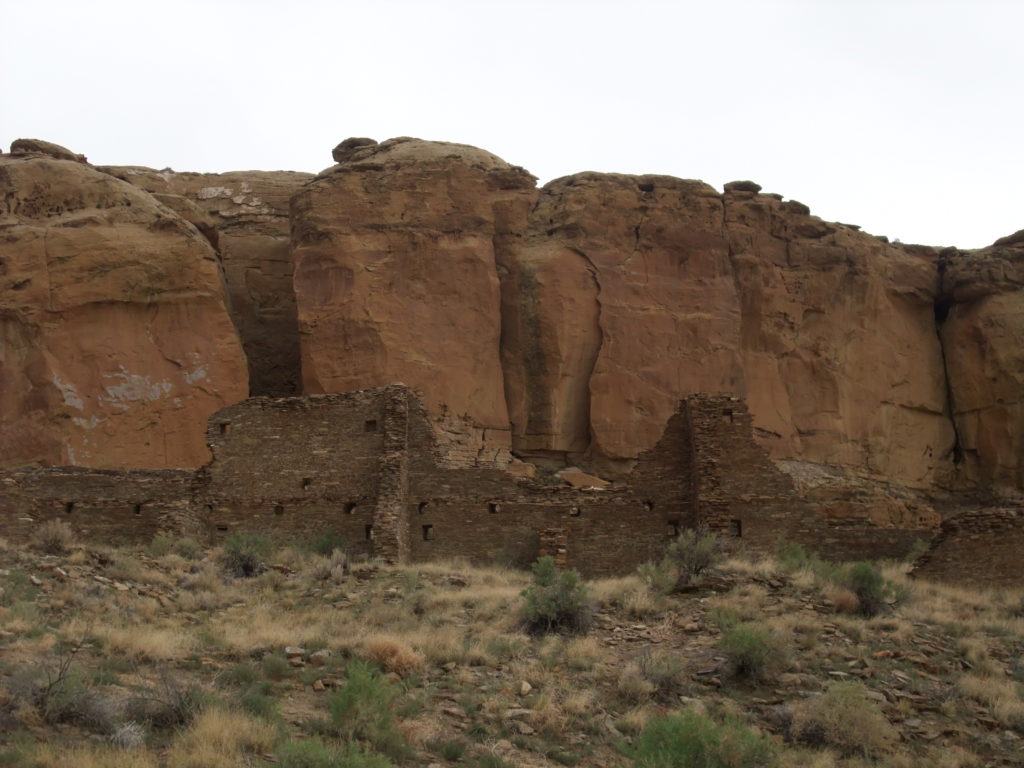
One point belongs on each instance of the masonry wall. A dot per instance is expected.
(102, 505)
(488, 516)
(984, 548)
(295, 468)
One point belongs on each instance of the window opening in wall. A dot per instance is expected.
(306, 482)
(428, 533)
(137, 509)
(225, 427)
(736, 528)
(370, 425)
(423, 507)
(222, 528)
(493, 507)
(69, 507)
(574, 511)
(278, 509)
(727, 415)
(673, 529)
(350, 507)
(648, 506)
(368, 530)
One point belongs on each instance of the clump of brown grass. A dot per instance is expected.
(845, 719)
(1002, 697)
(843, 600)
(62, 756)
(221, 738)
(54, 537)
(392, 654)
(146, 643)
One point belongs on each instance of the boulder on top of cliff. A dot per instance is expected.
(48, 148)
(116, 342)
(348, 147)
(396, 255)
(742, 186)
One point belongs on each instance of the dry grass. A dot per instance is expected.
(843, 599)
(146, 643)
(392, 654)
(1002, 697)
(53, 756)
(845, 719)
(221, 738)
(54, 537)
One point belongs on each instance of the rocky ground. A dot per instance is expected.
(166, 656)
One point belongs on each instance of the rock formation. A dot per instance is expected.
(115, 344)
(244, 214)
(396, 251)
(981, 319)
(561, 324)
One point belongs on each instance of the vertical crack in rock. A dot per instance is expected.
(943, 305)
(591, 363)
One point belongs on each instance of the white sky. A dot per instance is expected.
(902, 116)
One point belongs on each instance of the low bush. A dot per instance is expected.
(326, 544)
(556, 601)
(844, 719)
(869, 585)
(392, 655)
(244, 554)
(54, 537)
(692, 740)
(313, 753)
(165, 543)
(362, 709)
(686, 558)
(753, 652)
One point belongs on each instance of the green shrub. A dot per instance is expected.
(363, 709)
(167, 543)
(313, 753)
(244, 554)
(693, 552)
(753, 652)
(326, 543)
(557, 600)
(691, 740)
(869, 585)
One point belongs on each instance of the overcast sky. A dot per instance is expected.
(904, 117)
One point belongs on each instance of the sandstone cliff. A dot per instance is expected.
(981, 318)
(396, 252)
(244, 214)
(562, 324)
(115, 343)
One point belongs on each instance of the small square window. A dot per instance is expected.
(370, 425)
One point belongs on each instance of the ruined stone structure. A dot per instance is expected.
(367, 466)
(981, 548)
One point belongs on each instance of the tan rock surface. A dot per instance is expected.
(396, 278)
(245, 216)
(116, 345)
(983, 337)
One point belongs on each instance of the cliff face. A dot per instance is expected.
(115, 345)
(244, 214)
(982, 328)
(560, 324)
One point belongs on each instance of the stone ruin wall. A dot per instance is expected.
(116, 506)
(741, 494)
(981, 548)
(366, 466)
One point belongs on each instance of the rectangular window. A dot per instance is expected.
(736, 528)
(369, 532)
(428, 533)
(370, 425)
